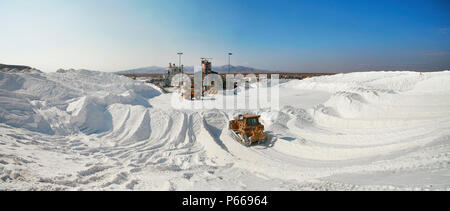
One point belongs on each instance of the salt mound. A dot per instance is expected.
(89, 116)
(67, 101)
(380, 81)
(130, 123)
(17, 111)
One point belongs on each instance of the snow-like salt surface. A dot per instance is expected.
(87, 130)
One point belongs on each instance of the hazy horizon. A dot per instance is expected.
(288, 36)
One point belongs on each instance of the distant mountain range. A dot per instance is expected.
(219, 69)
(150, 69)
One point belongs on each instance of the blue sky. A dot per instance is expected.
(285, 35)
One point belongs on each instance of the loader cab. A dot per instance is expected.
(253, 121)
(250, 120)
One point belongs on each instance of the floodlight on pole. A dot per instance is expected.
(179, 59)
(229, 61)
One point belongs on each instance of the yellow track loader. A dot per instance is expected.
(247, 130)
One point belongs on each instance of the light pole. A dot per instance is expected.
(179, 61)
(229, 62)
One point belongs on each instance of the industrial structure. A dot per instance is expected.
(207, 69)
(194, 92)
(172, 70)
